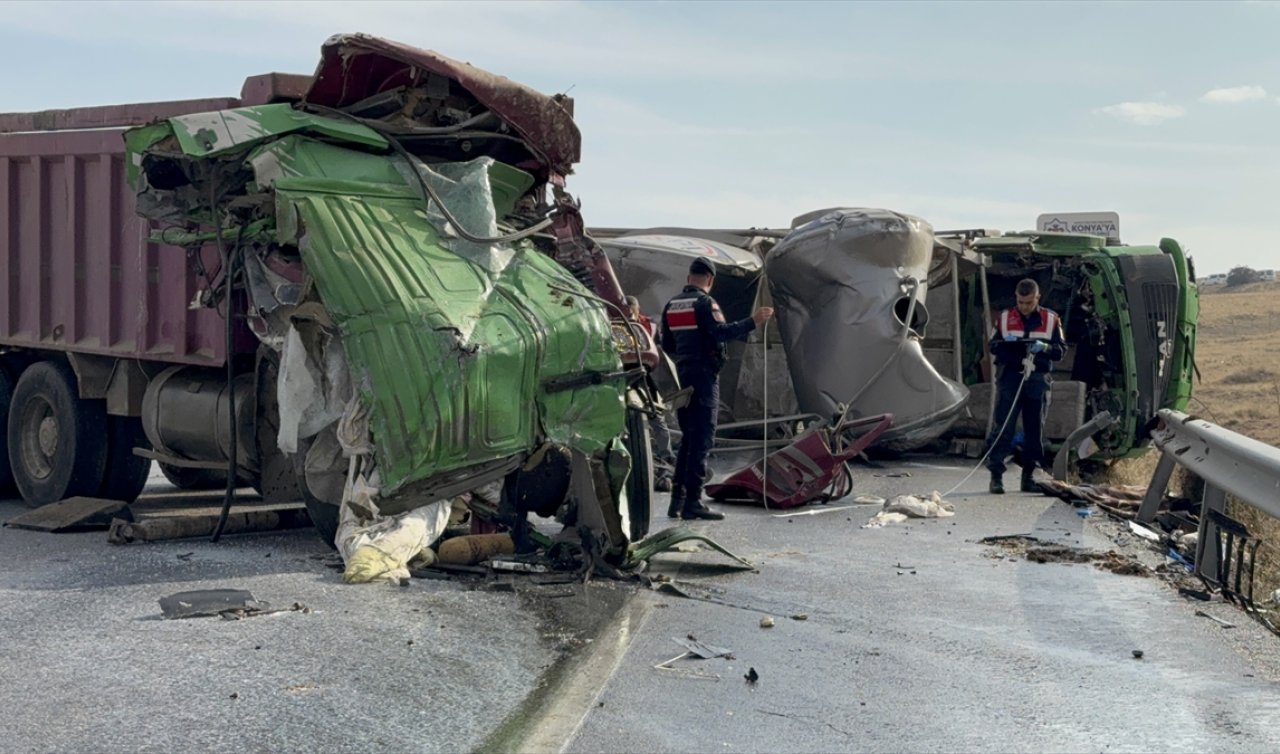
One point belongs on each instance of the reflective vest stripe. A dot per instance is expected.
(681, 315)
(1011, 324)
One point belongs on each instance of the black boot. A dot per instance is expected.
(997, 484)
(1029, 482)
(677, 503)
(698, 510)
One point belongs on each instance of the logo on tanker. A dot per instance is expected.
(1105, 224)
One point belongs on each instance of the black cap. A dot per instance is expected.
(701, 266)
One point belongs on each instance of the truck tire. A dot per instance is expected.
(194, 479)
(640, 481)
(126, 473)
(57, 442)
(7, 488)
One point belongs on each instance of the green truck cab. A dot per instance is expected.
(1129, 318)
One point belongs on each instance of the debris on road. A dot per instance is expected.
(813, 468)
(869, 500)
(667, 539)
(766, 622)
(800, 616)
(1215, 619)
(1137, 654)
(72, 514)
(161, 528)
(902, 507)
(1038, 551)
(751, 675)
(700, 650)
(1144, 532)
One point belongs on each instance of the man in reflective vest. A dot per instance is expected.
(694, 334)
(1027, 330)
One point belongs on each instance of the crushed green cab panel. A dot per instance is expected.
(450, 356)
(213, 133)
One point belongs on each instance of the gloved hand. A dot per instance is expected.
(1010, 338)
(1038, 347)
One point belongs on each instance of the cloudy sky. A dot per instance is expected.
(741, 114)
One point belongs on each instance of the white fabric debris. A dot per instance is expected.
(379, 548)
(902, 507)
(310, 398)
(884, 518)
(353, 430)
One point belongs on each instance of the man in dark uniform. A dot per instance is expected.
(1028, 329)
(694, 334)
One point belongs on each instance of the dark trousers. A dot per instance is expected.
(1032, 406)
(698, 429)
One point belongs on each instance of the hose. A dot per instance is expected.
(1013, 410)
(228, 278)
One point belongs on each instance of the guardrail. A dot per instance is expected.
(1230, 464)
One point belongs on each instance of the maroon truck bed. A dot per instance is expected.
(76, 269)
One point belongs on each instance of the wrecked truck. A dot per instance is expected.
(409, 306)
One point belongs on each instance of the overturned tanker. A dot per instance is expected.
(430, 318)
(849, 286)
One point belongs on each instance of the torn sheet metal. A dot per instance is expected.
(355, 67)
(406, 304)
(72, 514)
(667, 539)
(844, 282)
(813, 468)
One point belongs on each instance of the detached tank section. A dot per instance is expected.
(849, 286)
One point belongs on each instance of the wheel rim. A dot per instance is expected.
(40, 438)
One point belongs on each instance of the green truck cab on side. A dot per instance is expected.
(1129, 317)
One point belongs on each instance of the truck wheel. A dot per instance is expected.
(126, 473)
(6, 474)
(640, 481)
(57, 442)
(194, 479)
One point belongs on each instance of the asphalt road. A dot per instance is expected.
(88, 664)
(917, 638)
(920, 639)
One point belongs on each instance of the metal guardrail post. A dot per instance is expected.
(1230, 464)
(1208, 546)
(1155, 490)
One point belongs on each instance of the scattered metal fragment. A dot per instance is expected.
(517, 566)
(1215, 619)
(766, 622)
(700, 650)
(813, 511)
(163, 528)
(72, 514)
(666, 539)
(261, 608)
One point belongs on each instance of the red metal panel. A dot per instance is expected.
(78, 273)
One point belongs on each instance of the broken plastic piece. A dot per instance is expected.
(206, 602)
